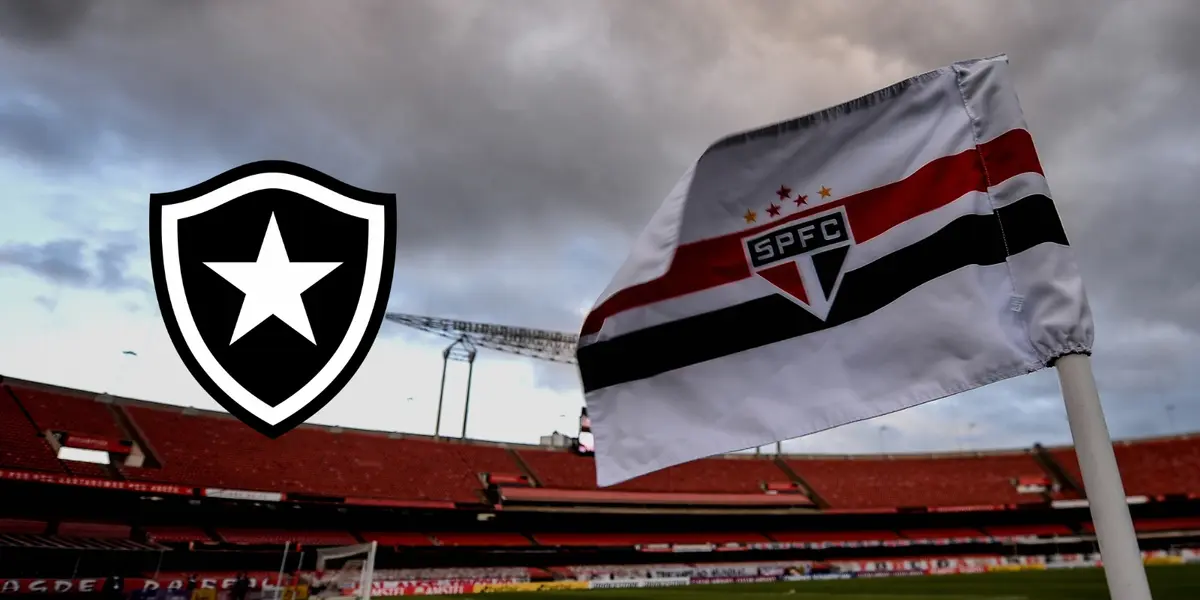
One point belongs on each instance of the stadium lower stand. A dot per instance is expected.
(194, 491)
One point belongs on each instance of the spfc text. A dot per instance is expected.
(799, 238)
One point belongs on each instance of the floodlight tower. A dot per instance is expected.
(468, 336)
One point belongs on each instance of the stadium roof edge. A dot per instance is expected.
(150, 404)
(154, 405)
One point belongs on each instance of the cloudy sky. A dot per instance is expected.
(529, 141)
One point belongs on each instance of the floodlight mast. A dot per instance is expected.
(468, 336)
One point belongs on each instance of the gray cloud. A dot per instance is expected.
(529, 142)
(73, 263)
(59, 261)
(46, 302)
(39, 134)
(42, 22)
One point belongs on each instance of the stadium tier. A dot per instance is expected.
(183, 491)
(200, 449)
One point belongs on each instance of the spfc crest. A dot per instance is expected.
(804, 258)
(273, 280)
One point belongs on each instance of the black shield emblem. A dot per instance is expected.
(273, 280)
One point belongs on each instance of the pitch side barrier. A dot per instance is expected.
(221, 583)
(680, 581)
(531, 586)
(615, 584)
(963, 568)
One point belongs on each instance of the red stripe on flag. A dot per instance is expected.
(713, 262)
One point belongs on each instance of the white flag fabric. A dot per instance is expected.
(867, 258)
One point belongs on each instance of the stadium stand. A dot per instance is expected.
(1156, 525)
(397, 538)
(1178, 524)
(20, 445)
(633, 539)
(204, 449)
(941, 534)
(267, 536)
(900, 481)
(67, 412)
(734, 475)
(833, 536)
(219, 451)
(179, 533)
(19, 526)
(1148, 467)
(224, 497)
(1003, 531)
(110, 531)
(480, 540)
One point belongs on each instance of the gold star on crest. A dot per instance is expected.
(750, 216)
(825, 192)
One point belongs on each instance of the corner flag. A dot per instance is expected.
(867, 258)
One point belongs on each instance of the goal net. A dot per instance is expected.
(346, 571)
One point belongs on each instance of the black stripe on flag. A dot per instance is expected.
(968, 240)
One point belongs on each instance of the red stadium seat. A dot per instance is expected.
(80, 413)
(94, 530)
(1175, 524)
(480, 539)
(20, 445)
(22, 526)
(634, 539)
(746, 475)
(397, 539)
(218, 451)
(941, 534)
(279, 536)
(585, 539)
(1152, 525)
(1148, 467)
(83, 469)
(1027, 530)
(177, 534)
(203, 449)
(833, 536)
(917, 481)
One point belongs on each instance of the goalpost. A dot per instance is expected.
(358, 568)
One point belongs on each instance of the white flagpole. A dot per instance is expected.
(1123, 566)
